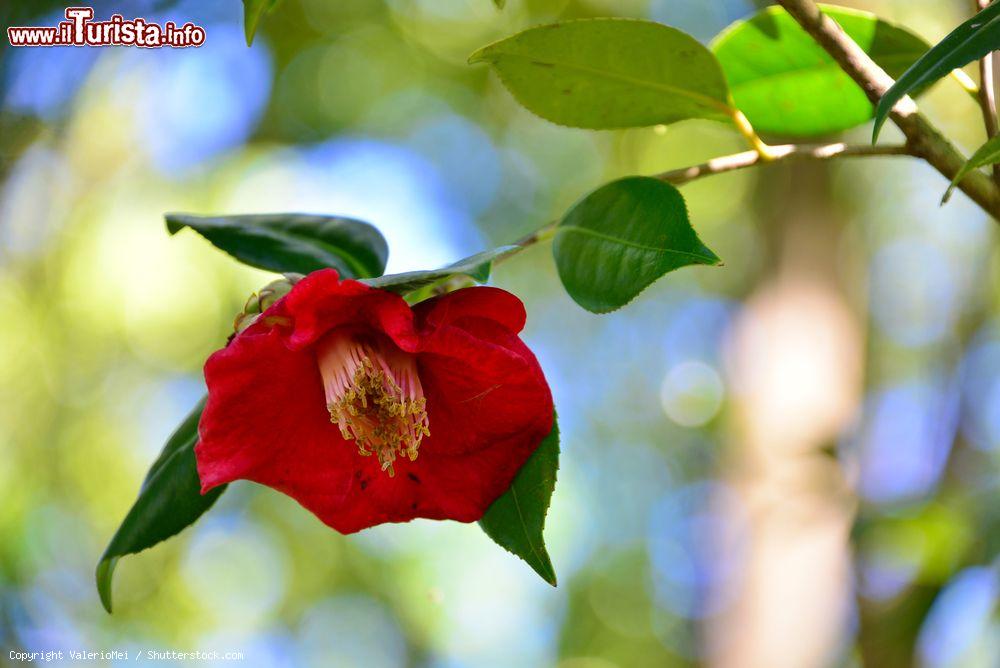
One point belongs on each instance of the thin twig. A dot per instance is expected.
(542, 233)
(922, 138)
(729, 163)
(778, 153)
(987, 94)
(546, 231)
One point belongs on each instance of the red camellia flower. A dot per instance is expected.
(365, 410)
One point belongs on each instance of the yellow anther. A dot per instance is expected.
(374, 396)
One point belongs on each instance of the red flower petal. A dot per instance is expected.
(321, 302)
(481, 302)
(252, 430)
(484, 384)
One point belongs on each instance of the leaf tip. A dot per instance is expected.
(479, 56)
(710, 258)
(250, 26)
(879, 122)
(174, 223)
(543, 566)
(105, 573)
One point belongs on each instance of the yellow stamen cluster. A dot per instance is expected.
(376, 399)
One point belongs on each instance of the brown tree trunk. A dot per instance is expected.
(797, 352)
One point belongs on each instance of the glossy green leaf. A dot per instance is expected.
(987, 154)
(610, 73)
(185, 434)
(293, 242)
(620, 238)
(516, 520)
(170, 500)
(477, 267)
(786, 83)
(253, 11)
(970, 41)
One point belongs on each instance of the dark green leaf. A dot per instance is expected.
(293, 242)
(788, 84)
(987, 154)
(516, 520)
(170, 499)
(253, 11)
(620, 238)
(185, 434)
(610, 73)
(970, 41)
(476, 267)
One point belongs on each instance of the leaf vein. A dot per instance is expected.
(632, 244)
(703, 100)
(524, 527)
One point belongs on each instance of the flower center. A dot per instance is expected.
(374, 395)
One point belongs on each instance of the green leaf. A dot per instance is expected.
(610, 73)
(170, 499)
(970, 41)
(185, 434)
(987, 154)
(516, 520)
(786, 83)
(620, 238)
(293, 242)
(500, 3)
(477, 267)
(253, 11)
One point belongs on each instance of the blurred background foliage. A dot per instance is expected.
(787, 461)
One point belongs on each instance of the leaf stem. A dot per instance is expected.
(759, 145)
(778, 153)
(966, 82)
(543, 233)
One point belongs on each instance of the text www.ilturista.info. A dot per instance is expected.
(79, 29)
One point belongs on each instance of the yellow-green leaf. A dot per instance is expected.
(610, 73)
(786, 83)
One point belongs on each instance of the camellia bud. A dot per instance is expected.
(259, 302)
